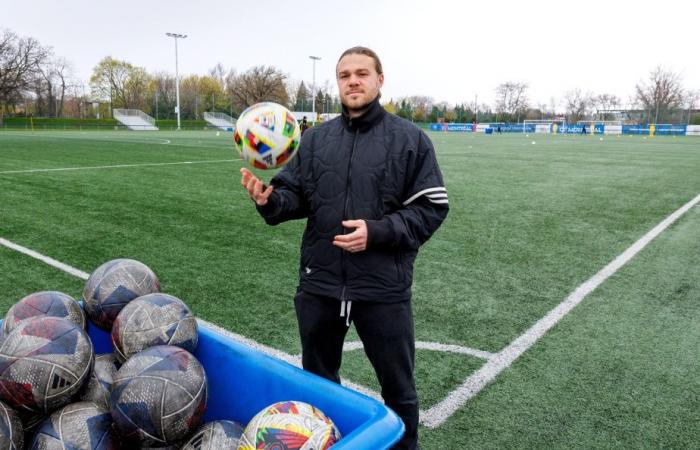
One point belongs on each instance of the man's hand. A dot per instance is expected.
(355, 241)
(255, 187)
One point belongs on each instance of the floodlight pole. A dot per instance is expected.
(313, 90)
(177, 36)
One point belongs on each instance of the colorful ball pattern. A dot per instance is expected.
(45, 303)
(216, 435)
(290, 425)
(158, 396)
(150, 320)
(82, 425)
(267, 135)
(99, 385)
(43, 362)
(11, 432)
(114, 284)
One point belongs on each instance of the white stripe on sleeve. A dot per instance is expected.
(435, 195)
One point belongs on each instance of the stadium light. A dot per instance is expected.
(313, 90)
(177, 36)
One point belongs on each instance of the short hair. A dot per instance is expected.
(359, 50)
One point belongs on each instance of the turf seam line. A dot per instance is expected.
(117, 166)
(439, 413)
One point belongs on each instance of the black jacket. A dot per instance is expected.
(377, 167)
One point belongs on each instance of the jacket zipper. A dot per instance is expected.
(345, 213)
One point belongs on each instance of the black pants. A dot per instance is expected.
(386, 331)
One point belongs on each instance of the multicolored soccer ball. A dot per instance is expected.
(43, 363)
(158, 396)
(82, 425)
(99, 385)
(11, 432)
(267, 135)
(44, 303)
(290, 425)
(114, 284)
(216, 435)
(150, 320)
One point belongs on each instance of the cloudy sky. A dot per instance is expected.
(449, 50)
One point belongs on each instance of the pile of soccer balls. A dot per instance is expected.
(151, 392)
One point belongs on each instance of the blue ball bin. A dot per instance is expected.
(242, 381)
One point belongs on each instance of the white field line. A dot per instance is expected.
(440, 412)
(435, 346)
(116, 166)
(293, 360)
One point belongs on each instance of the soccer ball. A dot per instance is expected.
(150, 320)
(114, 284)
(45, 361)
(286, 423)
(82, 425)
(99, 384)
(219, 434)
(267, 135)
(11, 432)
(158, 396)
(45, 303)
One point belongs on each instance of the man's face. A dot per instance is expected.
(358, 81)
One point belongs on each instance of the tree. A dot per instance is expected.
(19, 58)
(577, 104)
(260, 83)
(125, 85)
(605, 102)
(661, 94)
(511, 99)
(302, 99)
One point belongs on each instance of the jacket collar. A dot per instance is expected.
(368, 119)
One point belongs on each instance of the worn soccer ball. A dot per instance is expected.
(290, 424)
(82, 425)
(219, 434)
(44, 361)
(114, 284)
(11, 432)
(99, 385)
(150, 320)
(158, 396)
(44, 303)
(267, 135)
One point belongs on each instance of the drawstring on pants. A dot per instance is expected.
(345, 306)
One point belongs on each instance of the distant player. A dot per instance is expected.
(583, 129)
(304, 125)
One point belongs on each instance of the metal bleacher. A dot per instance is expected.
(220, 120)
(135, 119)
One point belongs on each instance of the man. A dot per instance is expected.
(304, 125)
(369, 185)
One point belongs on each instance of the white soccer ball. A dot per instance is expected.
(267, 135)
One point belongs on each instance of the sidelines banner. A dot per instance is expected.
(670, 130)
(635, 129)
(468, 127)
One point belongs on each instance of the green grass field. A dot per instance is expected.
(531, 219)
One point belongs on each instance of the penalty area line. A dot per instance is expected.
(439, 413)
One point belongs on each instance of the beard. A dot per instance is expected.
(359, 105)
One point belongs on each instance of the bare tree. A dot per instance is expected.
(692, 100)
(511, 99)
(261, 83)
(660, 94)
(18, 65)
(605, 102)
(577, 104)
